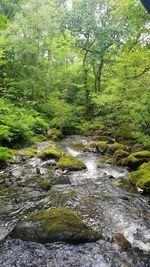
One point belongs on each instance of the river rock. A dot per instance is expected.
(141, 177)
(62, 180)
(134, 160)
(49, 163)
(121, 241)
(49, 152)
(70, 163)
(53, 225)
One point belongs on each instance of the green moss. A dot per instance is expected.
(97, 126)
(78, 146)
(46, 184)
(49, 152)
(68, 162)
(102, 146)
(119, 155)
(134, 160)
(55, 222)
(115, 146)
(54, 134)
(141, 177)
(26, 152)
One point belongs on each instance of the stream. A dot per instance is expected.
(93, 193)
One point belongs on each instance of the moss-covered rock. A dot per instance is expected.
(49, 152)
(46, 184)
(119, 155)
(59, 224)
(91, 147)
(68, 162)
(115, 146)
(141, 177)
(29, 153)
(97, 126)
(102, 146)
(134, 160)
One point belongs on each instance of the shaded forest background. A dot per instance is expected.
(67, 66)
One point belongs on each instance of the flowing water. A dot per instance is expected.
(94, 194)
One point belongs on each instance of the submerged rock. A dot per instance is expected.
(134, 160)
(59, 224)
(62, 180)
(121, 241)
(68, 162)
(141, 177)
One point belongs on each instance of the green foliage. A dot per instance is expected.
(18, 125)
(5, 154)
(75, 67)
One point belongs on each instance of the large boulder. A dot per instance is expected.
(59, 224)
(134, 160)
(141, 177)
(70, 163)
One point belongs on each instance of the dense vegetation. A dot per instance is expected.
(67, 65)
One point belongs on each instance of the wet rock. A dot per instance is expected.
(59, 224)
(109, 161)
(134, 160)
(62, 180)
(49, 163)
(141, 177)
(46, 184)
(111, 177)
(121, 241)
(70, 163)
(119, 155)
(102, 146)
(90, 147)
(114, 147)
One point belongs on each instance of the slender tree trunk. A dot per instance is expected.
(98, 76)
(85, 79)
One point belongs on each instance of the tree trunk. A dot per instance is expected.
(98, 76)
(85, 79)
